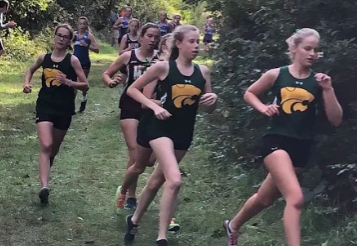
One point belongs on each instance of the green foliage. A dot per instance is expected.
(20, 47)
(196, 15)
(252, 40)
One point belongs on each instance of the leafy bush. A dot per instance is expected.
(252, 40)
(19, 46)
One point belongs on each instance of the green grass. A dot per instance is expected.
(92, 163)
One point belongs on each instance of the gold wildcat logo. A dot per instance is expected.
(184, 94)
(50, 77)
(295, 99)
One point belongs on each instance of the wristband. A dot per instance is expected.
(69, 82)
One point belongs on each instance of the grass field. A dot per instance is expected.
(92, 163)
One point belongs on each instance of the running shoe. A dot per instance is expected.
(43, 195)
(130, 203)
(131, 230)
(232, 236)
(83, 106)
(119, 198)
(162, 242)
(174, 227)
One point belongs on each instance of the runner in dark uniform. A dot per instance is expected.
(176, 21)
(83, 42)
(287, 144)
(167, 126)
(130, 40)
(55, 103)
(136, 63)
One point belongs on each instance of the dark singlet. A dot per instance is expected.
(298, 100)
(53, 97)
(134, 69)
(82, 52)
(129, 42)
(180, 96)
(164, 28)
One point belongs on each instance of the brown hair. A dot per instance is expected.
(178, 35)
(146, 27)
(71, 32)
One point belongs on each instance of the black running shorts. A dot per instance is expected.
(60, 122)
(298, 149)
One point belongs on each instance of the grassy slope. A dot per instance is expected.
(92, 163)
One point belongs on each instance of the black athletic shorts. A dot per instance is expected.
(179, 144)
(1, 45)
(86, 66)
(207, 39)
(150, 129)
(130, 114)
(298, 149)
(60, 122)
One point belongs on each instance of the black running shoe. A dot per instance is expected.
(44, 193)
(130, 203)
(162, 242)
(83, 106)
(131, 230)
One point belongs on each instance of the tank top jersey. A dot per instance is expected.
(209, 30)
(53, 97)
(125, 26)
(297, 100)
(134, 69)
(180, 96)
(82, 52)
(164, 28)
(135, 43)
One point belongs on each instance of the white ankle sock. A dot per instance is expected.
(230, 227)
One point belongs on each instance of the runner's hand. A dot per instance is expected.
(27, 89)
(270, 110)
(161, 113)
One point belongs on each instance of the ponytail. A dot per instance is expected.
(174, 53)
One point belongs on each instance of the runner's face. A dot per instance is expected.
(128, 12)
(62, 38)
(134, 27)
(189, 45)
(163, 17)
(150, 38)
(177, 19)
(306, 53)
(82, 24)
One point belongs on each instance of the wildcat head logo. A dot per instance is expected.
(184, 94)
(50, 77)
(295, 99)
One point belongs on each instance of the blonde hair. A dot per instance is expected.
(86, 19)
(178, 35)
(134, 19)
(165, 47)
(294, 40)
